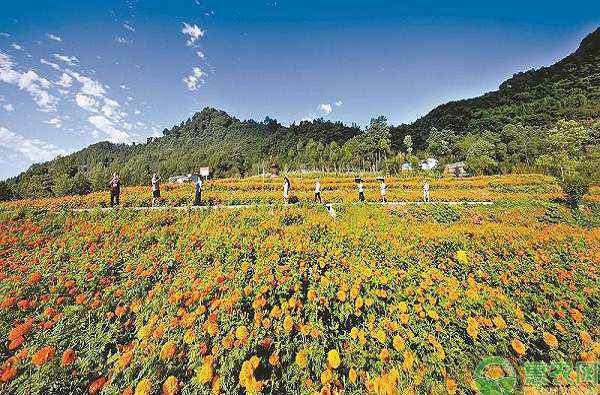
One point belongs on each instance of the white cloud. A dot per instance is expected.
(122, 40)
(70, 60)
(33, 149)
(103, 124)
(8, 107)
(4, 34)
(7, 74)
(65, 80)
(86, 102)
(194, 32)
(200, 54)
(53, 37)
(48, 63)
(89, 86)
(17, 47)
(30, 81)
(128, 26)
(56, 121)
(339, 103)
(193, 80)
(109, 109)
(326, 108)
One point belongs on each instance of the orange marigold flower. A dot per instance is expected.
(550, 340)
(43, 355)
(352, 375)
(288, 323)
(8, 374)
(576, 315)
(451, 386)
(170, 386)
(68, 357)
(97, 385)
(518, 346)
(34, 278)
(301, 359)
(168, 350)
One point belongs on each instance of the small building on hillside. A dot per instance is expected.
(181, 179)
(457, 169)
(428, 164)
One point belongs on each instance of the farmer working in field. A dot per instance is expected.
(383, 190)
(155, 189)
(318, 191)
(287, 186)
(426, 192)
(115, 190)
(361, 191)
(198, 191)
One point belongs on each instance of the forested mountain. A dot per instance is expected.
(510, 129)
(569, 89)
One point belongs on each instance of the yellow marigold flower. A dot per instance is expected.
(341, 295)
(409, 359)
(189, 336)
(354, 332)
(352, 376)
(205, 373)
(312, 295)
(362, 337)
(398, 343)
(518, 346)
(301, 359)
(461, 257)
(333, 358)
(358, 303)
(499, 322)
(326, 376)
(170, 386)
(288, 323)
(241, 333)
(380, 335)
(143, 387)
(550, 340)
(527, 328)
(168, 350)
(433, 315)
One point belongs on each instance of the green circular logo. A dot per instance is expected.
(495, 385)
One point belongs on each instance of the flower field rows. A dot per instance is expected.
(290, 300)
(336, 189)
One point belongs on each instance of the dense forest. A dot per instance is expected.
(541, 120)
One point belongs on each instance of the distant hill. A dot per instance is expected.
(569, 89)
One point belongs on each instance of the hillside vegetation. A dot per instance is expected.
(541, 120)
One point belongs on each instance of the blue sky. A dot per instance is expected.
(76, 72)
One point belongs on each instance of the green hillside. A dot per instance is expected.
(511, 129)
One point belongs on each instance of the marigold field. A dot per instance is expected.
(288, 299)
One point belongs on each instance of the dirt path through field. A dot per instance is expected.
(234, 206)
